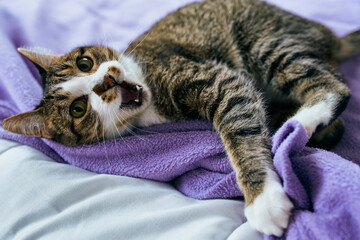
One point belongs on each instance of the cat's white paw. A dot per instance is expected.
(319, 113)
(270, 212)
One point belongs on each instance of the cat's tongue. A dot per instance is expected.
(129, 94)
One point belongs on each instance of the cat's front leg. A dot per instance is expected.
(236, 110)
(270, 210)
(240, 120)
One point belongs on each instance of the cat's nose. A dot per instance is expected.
(113, 73)
(110, 78)
(109, 82)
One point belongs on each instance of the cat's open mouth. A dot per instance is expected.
(131, 94)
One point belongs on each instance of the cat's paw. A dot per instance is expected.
(318, 114)
(270, 211)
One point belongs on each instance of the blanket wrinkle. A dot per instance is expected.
(288, 141)
(324, 186)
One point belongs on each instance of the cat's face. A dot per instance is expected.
(90, 94)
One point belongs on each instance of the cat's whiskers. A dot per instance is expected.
(107, 57)
(115, 137)
(34, 98)
(128, 123)
(95, 130)
(114, 52)
(138, 27)
(128, 114)
(133, 126)
(127, 55)
(124, 123)
(129, 147)
(82, 146)
(97, 127)
(104, 142)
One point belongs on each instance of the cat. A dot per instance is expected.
(245, 65)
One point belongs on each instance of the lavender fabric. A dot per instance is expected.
(324, 186)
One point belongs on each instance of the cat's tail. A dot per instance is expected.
(349, 45)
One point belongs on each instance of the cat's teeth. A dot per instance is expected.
(137, 100)
(138, 88)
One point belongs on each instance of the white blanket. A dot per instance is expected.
(42, 199)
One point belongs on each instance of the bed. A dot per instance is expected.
(42, 198)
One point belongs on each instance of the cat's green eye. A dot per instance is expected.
(85, 64)
(78, 108)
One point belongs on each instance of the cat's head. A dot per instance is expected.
(90, 94)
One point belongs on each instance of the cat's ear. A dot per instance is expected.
(41, 58)
(30, 123)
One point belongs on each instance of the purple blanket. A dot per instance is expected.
(325, 187)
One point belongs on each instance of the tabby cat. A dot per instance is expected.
(231, 62)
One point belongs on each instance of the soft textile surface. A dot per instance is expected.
(42, 200)
(323, 186)
(190, 154)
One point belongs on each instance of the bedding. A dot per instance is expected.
(323, 186)
(41, 199)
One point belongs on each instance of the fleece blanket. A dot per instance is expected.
(324, 186)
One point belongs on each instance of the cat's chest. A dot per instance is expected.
(150, 116)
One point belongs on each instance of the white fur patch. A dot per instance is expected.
(320, 113)
(110, 113)
(83, 85)
(150, 117)
(270, 211)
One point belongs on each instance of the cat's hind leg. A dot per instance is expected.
(317, 87)
(322, 102)
(319, 112)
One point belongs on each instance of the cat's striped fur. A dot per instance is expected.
(229, 61)
(211, 59)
